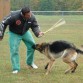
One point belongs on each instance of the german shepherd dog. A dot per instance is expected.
(57, 49)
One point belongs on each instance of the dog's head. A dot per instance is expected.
(40, 47)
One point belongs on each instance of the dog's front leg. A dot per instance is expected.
(46, 66)
(49, 66)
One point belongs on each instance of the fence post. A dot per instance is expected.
(4, 8)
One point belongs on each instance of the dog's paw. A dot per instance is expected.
(46, 66)
(67, 71)
(73, 71)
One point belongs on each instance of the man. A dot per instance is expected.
(19, 24)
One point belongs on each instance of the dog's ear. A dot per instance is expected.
(44, 43)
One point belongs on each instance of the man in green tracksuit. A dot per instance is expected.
(19, 24)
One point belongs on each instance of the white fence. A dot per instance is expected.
(50, 17)
(58, 12)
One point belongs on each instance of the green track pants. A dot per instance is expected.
(14, 42)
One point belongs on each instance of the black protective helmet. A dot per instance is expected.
(25, 10)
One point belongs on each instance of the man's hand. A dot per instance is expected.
(0, 33)
(1, 36)
(40, 34)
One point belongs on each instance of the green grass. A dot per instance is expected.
(72, 31)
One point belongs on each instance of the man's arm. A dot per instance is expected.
(7, 21)
(1, 31)
(36, 29)
(3, 26)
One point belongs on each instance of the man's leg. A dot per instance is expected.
(29, 42)
(14, 41)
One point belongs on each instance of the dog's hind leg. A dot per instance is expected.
(49, 66)
(70, 63)
(75, 66)
(71, 67)
(69, 58)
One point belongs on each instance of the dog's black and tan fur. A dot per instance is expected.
(57, 49)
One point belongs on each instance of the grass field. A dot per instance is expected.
(72, 31)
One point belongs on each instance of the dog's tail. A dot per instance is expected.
(79, 51)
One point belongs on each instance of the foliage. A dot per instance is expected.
(48, 5)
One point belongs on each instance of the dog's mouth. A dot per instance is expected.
(34, 46)
(37, 47)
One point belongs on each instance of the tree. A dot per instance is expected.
(46, 5)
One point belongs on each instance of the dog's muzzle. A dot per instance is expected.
(34, 46)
